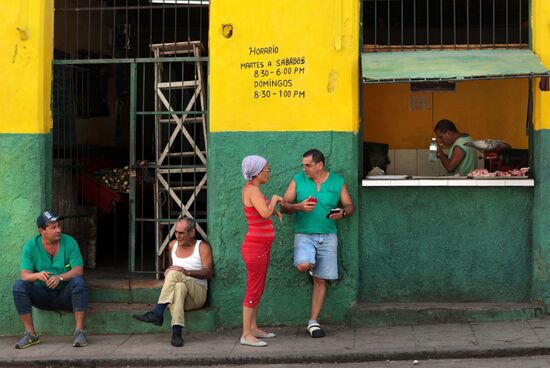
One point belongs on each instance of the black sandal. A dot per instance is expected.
(315, 330)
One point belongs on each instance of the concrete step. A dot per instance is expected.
(396, 314)
(113, 290)
(116, 318)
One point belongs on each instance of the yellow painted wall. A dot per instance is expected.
(486, 109)
(541, 46)
(25, 65)
(324, 33)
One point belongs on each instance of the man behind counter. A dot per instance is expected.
(461, 159)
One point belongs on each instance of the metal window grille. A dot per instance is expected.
(123, 29)
(401, 25)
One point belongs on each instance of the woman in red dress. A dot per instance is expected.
(256, 246)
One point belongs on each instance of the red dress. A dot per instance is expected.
(255, 251)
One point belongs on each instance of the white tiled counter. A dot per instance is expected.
(449, 182)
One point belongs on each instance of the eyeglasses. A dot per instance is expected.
(310, 165)
(267, 170)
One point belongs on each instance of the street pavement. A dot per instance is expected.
(539, 361)
(292, 345)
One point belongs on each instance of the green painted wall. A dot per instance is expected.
(541, 216)
(445, 244)
(286, 299)
(25, 178)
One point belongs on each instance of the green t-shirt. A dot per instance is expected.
(36, 259)
(469, 161)
(316, 221)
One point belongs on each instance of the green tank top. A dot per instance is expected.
(469, 162)
(316, 221)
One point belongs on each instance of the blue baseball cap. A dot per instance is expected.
(47, 217)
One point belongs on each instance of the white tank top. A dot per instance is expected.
(191, 263)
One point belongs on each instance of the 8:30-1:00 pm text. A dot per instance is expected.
(288, 93)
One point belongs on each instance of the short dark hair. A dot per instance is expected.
(316, 155)
(444, 126)
(191, 223)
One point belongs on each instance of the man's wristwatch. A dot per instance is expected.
(61, 278)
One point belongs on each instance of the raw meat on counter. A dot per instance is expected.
(485, 173)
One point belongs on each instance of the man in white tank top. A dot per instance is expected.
(185, 281)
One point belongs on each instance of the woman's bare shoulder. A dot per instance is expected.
(252, 190)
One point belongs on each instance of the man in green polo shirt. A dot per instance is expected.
(461, 159)
(51, 279)
(314, 195)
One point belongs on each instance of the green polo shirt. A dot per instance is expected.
(36, 259)
(316, 221)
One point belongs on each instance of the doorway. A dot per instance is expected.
(129, 127)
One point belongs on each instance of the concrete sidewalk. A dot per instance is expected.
(292, 345)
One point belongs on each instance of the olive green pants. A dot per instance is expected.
(181, 293)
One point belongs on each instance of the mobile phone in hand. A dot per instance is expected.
(333, 211)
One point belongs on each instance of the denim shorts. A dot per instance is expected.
(320, 250)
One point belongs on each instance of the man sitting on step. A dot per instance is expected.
(51, 279)
(185, 281)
